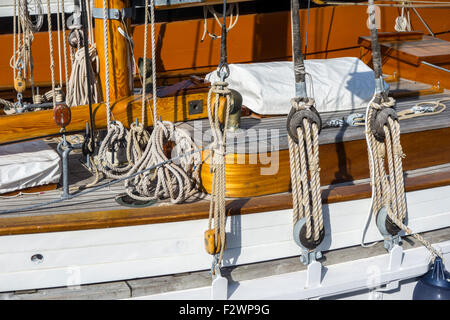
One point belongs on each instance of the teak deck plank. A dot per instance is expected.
(199, 210)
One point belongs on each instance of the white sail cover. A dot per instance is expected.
(267, 88)
(28, 164)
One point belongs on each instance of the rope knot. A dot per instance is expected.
(375, 106)
(302, 103)
(390, 103)
(220, 87)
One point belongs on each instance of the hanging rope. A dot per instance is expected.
(23, 36)
(63, 21)
(402, 22)
(388, 189)
(217, 155)
(215, 236)
(383, 141)
(233, 12)
(303, 126)
(77, 87)
(304, 160)
(52, 63)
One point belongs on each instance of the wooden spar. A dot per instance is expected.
(120, 73)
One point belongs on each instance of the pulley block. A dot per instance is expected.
(210, 242)
(61, 115)
(20, 84)
(385, 223)
(75, 38)
(302, 240)
(311, 249)
(295, 120)
(379, 120)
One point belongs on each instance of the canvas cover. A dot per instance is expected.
(337, 84)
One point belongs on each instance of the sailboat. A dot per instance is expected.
(221, 151)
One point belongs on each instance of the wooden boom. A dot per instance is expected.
(181, 102)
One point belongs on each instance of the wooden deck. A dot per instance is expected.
(428, 153)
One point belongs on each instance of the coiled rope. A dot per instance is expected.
(144, 150)
(77, 87)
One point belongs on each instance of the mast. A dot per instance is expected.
(120, 73)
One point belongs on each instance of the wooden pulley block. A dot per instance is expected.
(380, 119)
(61, 115)
(235, 105)
(20, 84)
(210, 243)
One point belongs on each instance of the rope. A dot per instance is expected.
(155, 98)
(388, 189)
(423, 109)
(106, 47)
(304, 154)
(6, 103)
(304, 158)
(66, 67)
(22, 26)
(58, 28)
(144, 150)
(218, 151)
(52, 63)
(144, 102)
(403, 23)
(77, 86)
(234, 7)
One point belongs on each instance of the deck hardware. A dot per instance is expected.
(234, 117)
(219, 285)
(310, 251)
(380, 120)
(125, 200)
(37, 258)
(355, 119)
(388, 229)
(295, 120)
(64, 148)
(74, 21)
(195, 107)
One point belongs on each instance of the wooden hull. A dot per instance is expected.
(105, 254)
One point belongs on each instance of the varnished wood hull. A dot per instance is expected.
(339, 162)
